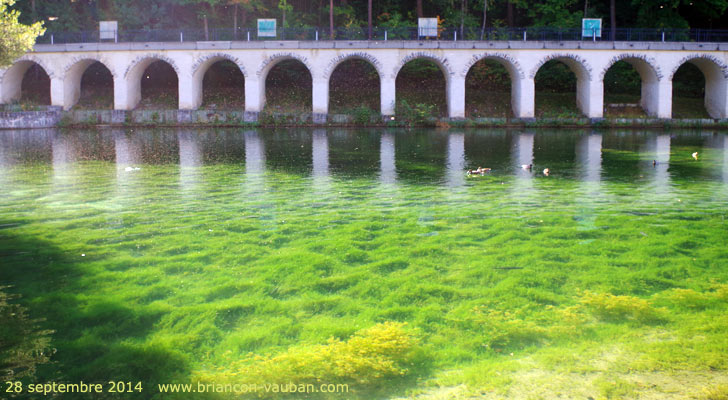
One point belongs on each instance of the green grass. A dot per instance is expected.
(179, 274)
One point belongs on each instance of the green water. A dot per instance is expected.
(168, 256)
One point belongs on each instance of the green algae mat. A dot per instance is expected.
(363, 264)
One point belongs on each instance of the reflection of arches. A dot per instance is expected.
(73, 75)
(716, 82)
(354, 82)
(133, 76)
(12, 80)
(587, 100)
(511, 66)
(650, 76)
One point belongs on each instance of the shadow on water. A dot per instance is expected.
(90, 342)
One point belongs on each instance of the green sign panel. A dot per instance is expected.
(267, 27)
(591, 27)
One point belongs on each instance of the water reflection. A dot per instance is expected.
(128, 157)
(589, 167)
(190, 160)
(320, 156)
(657, 163)
(64, 155)
(589, 157)
(522, 155)
(455, 167)
(254, 162)
(387, 167)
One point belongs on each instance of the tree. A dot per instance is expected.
(15, 38)
(613, 19)
(485, 14)
(331, 19)
(369, 17)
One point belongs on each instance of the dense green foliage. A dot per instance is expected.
(174, 14)
(15, 38)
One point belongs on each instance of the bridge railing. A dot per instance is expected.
(381, 34)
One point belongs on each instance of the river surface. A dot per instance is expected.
(158, 255)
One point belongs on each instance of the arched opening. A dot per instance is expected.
(488, 90)
(159, 86)
(35, 89)
(354, 87)
(556, 84)
(421, 89)
(623, 91)
(97, 88)
(688, 92)
(289, 87)
(223, 87)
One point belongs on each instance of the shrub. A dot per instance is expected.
(418, 114)
(363, 115)
(504, 330)
(370, 356)
(609, 307)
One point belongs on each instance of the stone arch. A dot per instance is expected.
(202, 64)
(52, 73)
(336, 61)
(441, 62)
(133, 78)
(702, 61)
(88, 60)
(274, 59)
(143, 61)
(72, 74)
(510, 63)
(200, 68)
(270, 62)
(11, 78)
(577, 64)
(331, 83)
(589, 94)
(645, 66)
(650, 76)
(715, 72)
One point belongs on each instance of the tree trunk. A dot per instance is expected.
(244, 20)
(331, 19)
(369, 17)
(485, 10)
(463, 6)
(613, 15)
(420, 13)
(586, 7)
(509, 11)
(207, 32)
(235, 21)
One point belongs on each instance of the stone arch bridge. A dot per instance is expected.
(656, 63)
